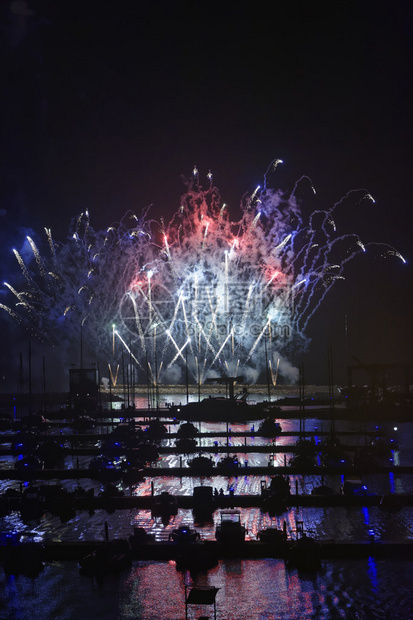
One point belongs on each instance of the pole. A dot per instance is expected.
(128, 379)
(147, 381)
(301, 397)
(110, 392)
(21, 383)
(346, 334)
(199, 384)
(81, 344)
(186, 376)
(156, 393)
(99, 394)
(44, 384)
(30, 377)
(267, 370)
(123, 374)
(133, 386)
(331, 387)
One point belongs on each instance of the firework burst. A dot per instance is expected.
(202, 291)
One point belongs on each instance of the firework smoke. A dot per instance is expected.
(202, 292)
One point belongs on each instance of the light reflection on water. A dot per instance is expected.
(325, 523)
(257, 590)
(248, 589)
(348, 523)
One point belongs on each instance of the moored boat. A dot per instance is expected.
(201, 465)
(165, 506)
(273, 536)
(23, 553)
(184, 535)
(269, 427)
(228, 463)
(275, 496)
(304, 554)
(29, 463)
(109, 557)
(230, 532)
(219, 409)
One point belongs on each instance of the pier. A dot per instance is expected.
(251, 549)
(181, 472)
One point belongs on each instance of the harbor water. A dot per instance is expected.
(260, 589)
(249, 590)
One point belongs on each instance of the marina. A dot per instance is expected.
(96, 510)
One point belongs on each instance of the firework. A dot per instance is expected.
(202, 292)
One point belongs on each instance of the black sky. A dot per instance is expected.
(105, 105)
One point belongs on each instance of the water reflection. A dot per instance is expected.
(328, 523)
(257, 590)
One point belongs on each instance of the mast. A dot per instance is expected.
(30, 377)
(331, 387)
(44, 384)
(267, 369)
(302, 397)
(186, 376)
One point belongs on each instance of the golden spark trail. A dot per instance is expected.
(203, 369)
(159, 371)
(114, 379)
(276, 371)
(197, 378)
(152, 375)
(236, 370)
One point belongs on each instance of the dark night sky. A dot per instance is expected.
(105, 107)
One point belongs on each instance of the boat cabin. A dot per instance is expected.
(230, 531)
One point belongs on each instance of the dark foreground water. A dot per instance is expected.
(253, 590)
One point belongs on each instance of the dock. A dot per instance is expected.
(244, 444)
(250, 549)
